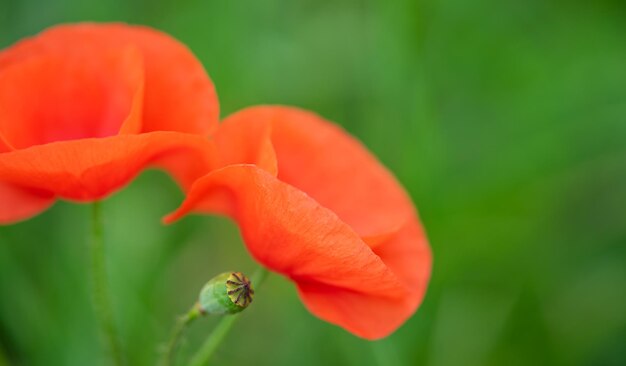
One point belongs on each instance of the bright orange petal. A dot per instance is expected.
(90, 169)
(19, 203)
(367, 316)
(292, 234)
(408, 255)
(4, 144)
(71, 96)
(335, 169)
(246, 143)
(179, 96)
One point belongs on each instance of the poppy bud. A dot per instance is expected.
(226, 293)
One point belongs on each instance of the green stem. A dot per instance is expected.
(101, 297)
(179, 328)
(3, 359)
(223, 327)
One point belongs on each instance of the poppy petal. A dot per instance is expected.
(90, 169)
(290, 233)
(19, 203)
(408, 255)
(72, 96)
(179, 95)
(335, 169)
(363, 315)
(4, 145)
(246, 143)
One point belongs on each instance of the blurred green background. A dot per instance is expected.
(505, 120)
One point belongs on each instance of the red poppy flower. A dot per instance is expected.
(315, 206)
(84, 108)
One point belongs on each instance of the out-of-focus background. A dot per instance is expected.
(505, 120)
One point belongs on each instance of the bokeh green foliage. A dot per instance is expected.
(505, 120)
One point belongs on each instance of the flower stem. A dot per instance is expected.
(223, 327)
(101, 297)
(181, 324)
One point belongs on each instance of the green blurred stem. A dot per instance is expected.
(218, 335)
(3, 359)
(179, 328)
(100, 286)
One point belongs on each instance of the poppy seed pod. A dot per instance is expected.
(226, 293)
